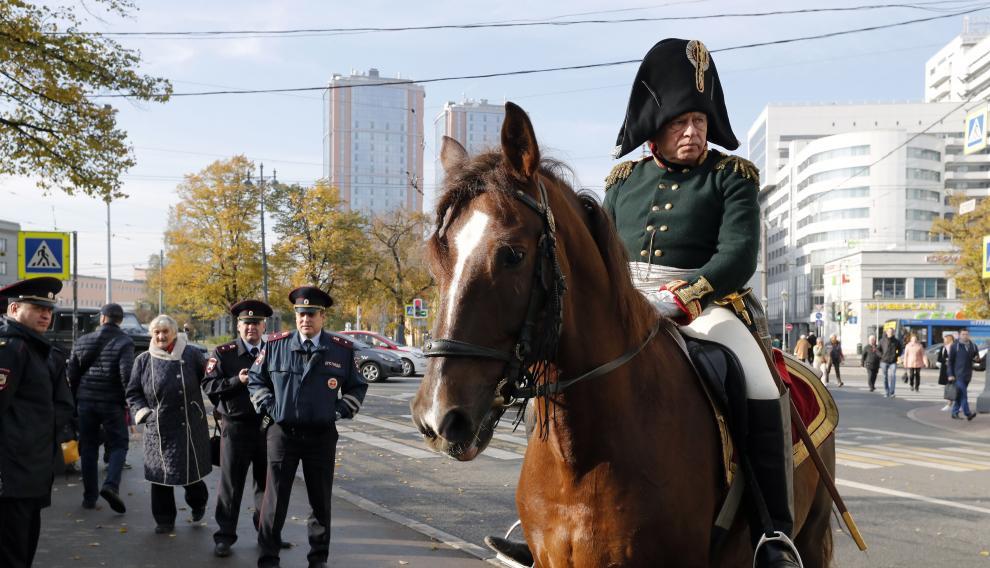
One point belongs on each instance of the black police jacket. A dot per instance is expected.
(295, 391)
(35, 404)
(221, 383)
(100, 365)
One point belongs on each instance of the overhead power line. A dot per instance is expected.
(393, 82)
(309, 32)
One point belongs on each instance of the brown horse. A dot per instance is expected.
(627, 471)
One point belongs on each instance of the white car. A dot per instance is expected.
(413, 360)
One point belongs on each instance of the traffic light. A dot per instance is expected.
(847, 310)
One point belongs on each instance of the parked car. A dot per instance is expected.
(413, 360)
(376, 365)
(88, 320)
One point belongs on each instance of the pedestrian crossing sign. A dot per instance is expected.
(976, 131)
(43, 254)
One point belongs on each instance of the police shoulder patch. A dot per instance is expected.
(345, 342)
(227, 347)
(279, 335)
(744, 168)
(210, 365)
(619, 173)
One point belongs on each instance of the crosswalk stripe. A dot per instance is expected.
(872, 453)
(389, 445)
(511, 439)
(501, 454)
(387, 424)
(921, 437)
(946, 453)
(935, 459)
(855, 464)
(491, 452)
(969, 451)
(863, 459)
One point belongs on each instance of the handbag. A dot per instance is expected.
(215, 440)
(70, 451)
(951, 391)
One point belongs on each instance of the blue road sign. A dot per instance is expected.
(43, 254)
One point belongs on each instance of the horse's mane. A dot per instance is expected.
(490, 170)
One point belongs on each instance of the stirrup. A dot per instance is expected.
(505, 560)
(777, 537)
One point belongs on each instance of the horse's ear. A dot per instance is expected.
(452, 154)
(519, 141)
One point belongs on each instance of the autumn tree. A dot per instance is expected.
(967, 232)
(213, 254)
(51, 125)
(320, 243)
(399, 269)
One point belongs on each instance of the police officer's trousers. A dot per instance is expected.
(20, 526)
(242, 445)
(287, 446)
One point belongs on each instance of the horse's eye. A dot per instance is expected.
(511, 257)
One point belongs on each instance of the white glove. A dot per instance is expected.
(663, 302)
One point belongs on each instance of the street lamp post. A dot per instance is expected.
(877, 296)
(783, 296)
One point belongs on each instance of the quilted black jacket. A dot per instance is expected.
(100, 365)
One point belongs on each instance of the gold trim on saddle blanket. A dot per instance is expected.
(828, 413)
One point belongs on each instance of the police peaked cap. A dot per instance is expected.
(675, 77)
(251, 310)
(38, 291)
(309, 299)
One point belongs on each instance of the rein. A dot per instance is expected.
(546, 303)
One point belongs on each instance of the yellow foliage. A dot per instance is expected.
(967, 232)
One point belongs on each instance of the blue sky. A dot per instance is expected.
(576, 113)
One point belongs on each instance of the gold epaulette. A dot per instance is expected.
(738, 165)
(620, 172)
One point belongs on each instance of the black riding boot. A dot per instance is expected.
(770, 453)
(516, 551)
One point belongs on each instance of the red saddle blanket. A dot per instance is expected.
(814, 403)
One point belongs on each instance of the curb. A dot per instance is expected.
(913, 415)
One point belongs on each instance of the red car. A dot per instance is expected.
(413, 361)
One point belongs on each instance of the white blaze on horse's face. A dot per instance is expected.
(468, 238)
(465, 242)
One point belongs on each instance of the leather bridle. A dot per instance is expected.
(546, 304)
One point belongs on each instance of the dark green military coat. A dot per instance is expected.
(706, 217)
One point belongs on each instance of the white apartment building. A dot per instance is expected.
(477, 125)
(841, 178)
(960, 71)
(373, 141)
(8, 252)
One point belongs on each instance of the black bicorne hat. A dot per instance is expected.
(38, 291)
(251, 310)
(675, 77)
(309, 299)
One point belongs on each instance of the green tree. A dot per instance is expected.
(319, 243)
(213, 254)
(50, 127)
(967, 232)
(399, 270)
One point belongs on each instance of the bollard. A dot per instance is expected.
(983, 401)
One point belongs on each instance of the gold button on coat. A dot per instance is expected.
(643, 253)
(674, 187)
(655, 208)
(663, 228)
(649, 227)
(668, 206)
(658, 252)
(662, 186)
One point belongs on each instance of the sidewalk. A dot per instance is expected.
(935, 417)
(78, 538)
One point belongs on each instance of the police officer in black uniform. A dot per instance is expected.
(302, 382)
(35, 403)
(242, 443)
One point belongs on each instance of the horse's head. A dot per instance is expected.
(500, 281)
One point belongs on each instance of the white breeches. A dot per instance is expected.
(716, 324)
(720, 325)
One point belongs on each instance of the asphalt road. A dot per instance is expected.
(915, 480)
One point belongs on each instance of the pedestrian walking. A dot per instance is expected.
(914, 360)
(890, 350)
(303, 382)
(99, 371)
(164, 394)
(242, 441)
(871, 362)
(943, 365)
(961, 357)
(812, 340)
(834, 359)
(35, 405)
(801, 348)
(818, 354)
